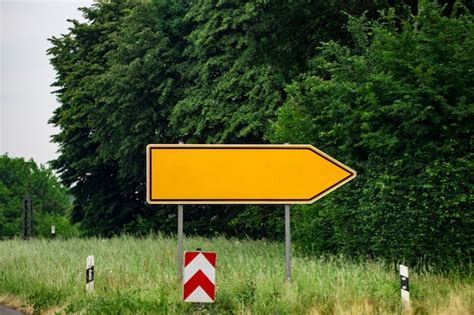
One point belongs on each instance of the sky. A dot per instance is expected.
(26, 102)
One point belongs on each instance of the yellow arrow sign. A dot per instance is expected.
(241, 174)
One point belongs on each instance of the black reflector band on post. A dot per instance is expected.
(404, 286)
(404, 283)
(90, 274)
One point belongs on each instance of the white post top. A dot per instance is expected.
(404, 271)
(90, 261)
(53, 229)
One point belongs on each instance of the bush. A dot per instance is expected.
(397, 107)
(50, 200)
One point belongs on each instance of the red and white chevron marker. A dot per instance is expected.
(199, 279)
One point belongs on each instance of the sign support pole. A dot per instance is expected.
(179, 257)
(287, 245)
(27, 217)
(179, 261)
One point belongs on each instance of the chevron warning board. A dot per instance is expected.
(199, 279)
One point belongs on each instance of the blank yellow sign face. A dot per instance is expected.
(243, 174)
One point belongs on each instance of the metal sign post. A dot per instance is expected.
(179, 256)
(287, 244)
(27, 217)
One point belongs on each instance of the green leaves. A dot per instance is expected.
(394, 109)
(140, 72)
(51, 201)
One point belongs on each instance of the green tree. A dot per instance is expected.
(136, 95)
(238, 59)
(80, 59)
(50, 200)
(140, 72)
(397, 106)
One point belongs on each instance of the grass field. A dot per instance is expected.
(138, 275)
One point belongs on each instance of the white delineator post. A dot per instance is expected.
(53, 231)
(90, 273)
(404, 286)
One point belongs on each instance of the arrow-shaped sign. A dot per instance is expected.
(199, 282)
(243, 174)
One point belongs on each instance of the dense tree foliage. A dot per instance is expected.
(85, 163)
(398, 107)
(50, 200)
(392, 99)
(139, 72)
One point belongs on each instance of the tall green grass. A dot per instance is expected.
(138, 275)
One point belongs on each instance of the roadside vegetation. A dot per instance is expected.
(138, 275)
(384, 87)
(51, 201)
